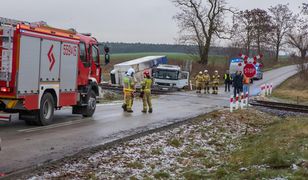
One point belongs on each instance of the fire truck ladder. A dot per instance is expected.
(6, 56)
(11, 22)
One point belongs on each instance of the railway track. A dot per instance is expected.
(120, 90)
(280, 106)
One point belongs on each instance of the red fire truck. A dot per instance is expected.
(43, 69)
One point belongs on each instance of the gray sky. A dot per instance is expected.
(115, 20)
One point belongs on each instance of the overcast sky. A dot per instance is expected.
(115, 20)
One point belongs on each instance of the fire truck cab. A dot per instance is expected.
(43, 69)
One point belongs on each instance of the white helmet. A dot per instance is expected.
(206, 71)
(216, 71)
(130, 72)
(200, 72)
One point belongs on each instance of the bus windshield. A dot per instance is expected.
(166, 74)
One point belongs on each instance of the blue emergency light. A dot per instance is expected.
(237, 60)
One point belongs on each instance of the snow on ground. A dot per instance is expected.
(197, 146)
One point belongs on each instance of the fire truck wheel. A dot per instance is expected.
(90, 108)
(47, 108)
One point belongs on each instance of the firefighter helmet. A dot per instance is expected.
(146, 73)
(130, 72)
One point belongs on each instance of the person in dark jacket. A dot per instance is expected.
(238, 83)
(228, 81)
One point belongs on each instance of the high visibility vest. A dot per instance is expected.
(227, 77)
(246, 80)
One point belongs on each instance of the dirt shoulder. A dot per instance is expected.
(293, 90)
(246, 144)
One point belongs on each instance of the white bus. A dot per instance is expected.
(139, 65)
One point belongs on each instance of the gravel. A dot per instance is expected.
(174, 153)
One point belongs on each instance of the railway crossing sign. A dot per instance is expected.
(250, 70)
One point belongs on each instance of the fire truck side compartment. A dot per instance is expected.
(68, 71)
(50, 61)
(29, 65)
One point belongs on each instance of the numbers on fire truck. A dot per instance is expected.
(69, 50)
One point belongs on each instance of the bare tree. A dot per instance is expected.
(305, 8)
(252, 27)
(283, 21)
(262, 27)
(200, 22)
(243, 25)
(298, 38)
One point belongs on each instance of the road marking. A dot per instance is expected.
(110, 104)
(55, 125)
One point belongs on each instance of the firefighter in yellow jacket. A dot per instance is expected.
(129, 89)
(146, 85)
(215, 82)
(199, 80)
(206, 82)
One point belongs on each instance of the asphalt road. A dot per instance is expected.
(25, 146)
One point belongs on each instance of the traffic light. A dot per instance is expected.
(107, 56)
(106, 49)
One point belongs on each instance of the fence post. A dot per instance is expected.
(231, 104)
(247, 98)
(236, 102)
(271, 88)
(242, 100)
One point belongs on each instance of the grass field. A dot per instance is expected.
(293, 90)
(170, 56)
(279, 151)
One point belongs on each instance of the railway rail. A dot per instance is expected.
(120, 89)
(280, 106)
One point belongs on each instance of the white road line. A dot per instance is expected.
(55, 125)
(110, 104)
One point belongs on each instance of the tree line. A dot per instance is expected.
(274, 29)
(116, 48)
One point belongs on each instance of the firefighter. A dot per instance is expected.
(129, 89)
(146, 85)
(215, 82)
(228, 81)
(199, 80)
(206, 81)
